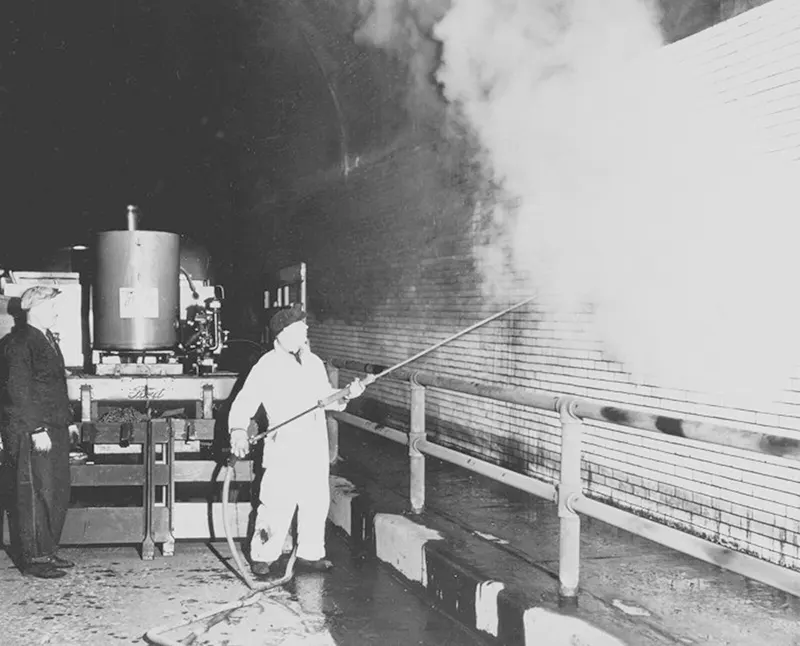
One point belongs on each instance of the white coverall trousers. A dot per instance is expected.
(295, 457)
(295, 478)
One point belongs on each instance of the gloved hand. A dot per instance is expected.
(74, 434)
(239, 443)
(41, 442)
(355, 389)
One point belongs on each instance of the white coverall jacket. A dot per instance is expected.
(296, 460)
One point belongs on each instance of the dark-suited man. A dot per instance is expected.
(36, 434)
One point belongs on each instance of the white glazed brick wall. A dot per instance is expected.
(741, 500)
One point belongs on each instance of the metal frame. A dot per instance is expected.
(159, 440)
(775, 442)
(152, 523)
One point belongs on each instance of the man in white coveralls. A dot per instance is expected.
(288, 380)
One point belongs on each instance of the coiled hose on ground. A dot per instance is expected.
(210, 619)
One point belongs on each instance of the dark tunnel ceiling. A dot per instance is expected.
(204, 114)
(200, 113)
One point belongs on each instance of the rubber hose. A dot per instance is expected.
(213, 617)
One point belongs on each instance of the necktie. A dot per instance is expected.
(51, 338)
(296, 355)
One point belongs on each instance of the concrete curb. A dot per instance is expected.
(481, 586)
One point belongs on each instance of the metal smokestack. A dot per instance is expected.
(133, 217)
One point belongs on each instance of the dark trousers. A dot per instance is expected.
(39, 494)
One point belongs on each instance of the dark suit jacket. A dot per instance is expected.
(35, 388)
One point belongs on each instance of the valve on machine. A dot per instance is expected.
(203, 336)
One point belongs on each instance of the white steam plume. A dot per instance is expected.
(635, 190)
(404, 28)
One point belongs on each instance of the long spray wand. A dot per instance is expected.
(370, 379)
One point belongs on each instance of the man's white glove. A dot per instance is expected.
(41, 441)
(74, 434)
(355, 389)
(240, 444)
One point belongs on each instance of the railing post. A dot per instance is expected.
(415, 456)
(330, 420)
(569, 489)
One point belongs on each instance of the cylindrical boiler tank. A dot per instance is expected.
(136, 297)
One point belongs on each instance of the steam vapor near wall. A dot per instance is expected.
(405, 27)
(631, 188)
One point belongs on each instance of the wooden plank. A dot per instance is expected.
(106, 525)
(193, 429)
(204, 471)
(186, 447)
(115, 475)
(204, 520)
(103, 525)
(107, 475)
(108, 433)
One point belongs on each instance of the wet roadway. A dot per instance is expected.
(112, 597)
(366, 604)
(359, 603)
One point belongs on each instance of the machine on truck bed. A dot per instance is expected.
(140, 327)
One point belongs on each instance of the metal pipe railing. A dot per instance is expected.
(569, 493)
(506, 476)
(774, 575)
(389, 433)
(773, 442)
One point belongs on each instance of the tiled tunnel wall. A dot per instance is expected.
(390, 272)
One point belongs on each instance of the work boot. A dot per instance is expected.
(262, 568)
(43, 571)
(318, 565)
(57, 561)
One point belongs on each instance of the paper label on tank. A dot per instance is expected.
(138, 302)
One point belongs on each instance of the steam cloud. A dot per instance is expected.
(404, 27)
(633, 189)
